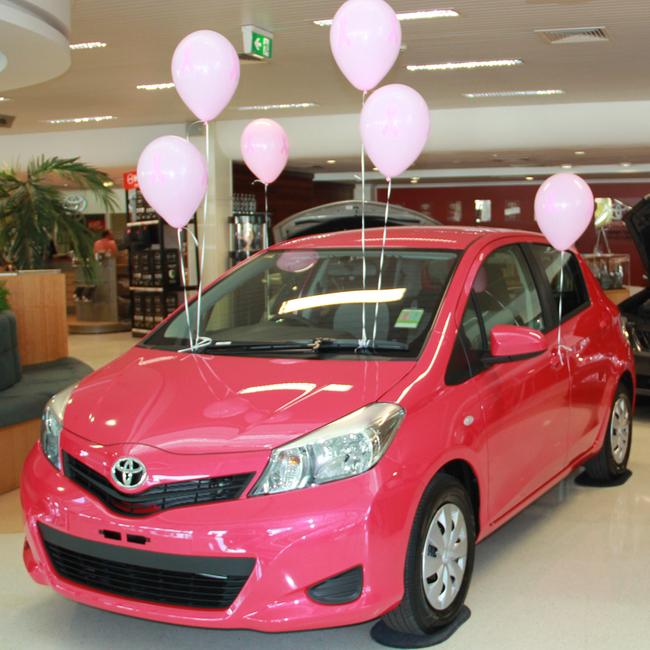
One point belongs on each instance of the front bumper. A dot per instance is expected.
(297, 540)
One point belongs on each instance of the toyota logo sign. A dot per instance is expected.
(129, 473)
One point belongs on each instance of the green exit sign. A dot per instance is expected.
(258, 42)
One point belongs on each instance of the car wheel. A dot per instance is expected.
(439, 559)
(612, 458)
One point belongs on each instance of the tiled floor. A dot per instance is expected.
(570, 572)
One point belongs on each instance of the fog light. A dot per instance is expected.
(340, 589)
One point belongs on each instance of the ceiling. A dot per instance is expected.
(142, 35)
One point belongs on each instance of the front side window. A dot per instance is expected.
(291, 296)
(505, 291)
(568, 284)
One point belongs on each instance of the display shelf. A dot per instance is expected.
(140, 224)
(155, 282)
(249, 233)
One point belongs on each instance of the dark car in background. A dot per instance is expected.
(346, 215)
(636, 309)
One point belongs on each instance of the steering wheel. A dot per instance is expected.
(517, 319)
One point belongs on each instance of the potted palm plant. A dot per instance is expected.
(33, 210)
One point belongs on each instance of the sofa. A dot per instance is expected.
(24, 391)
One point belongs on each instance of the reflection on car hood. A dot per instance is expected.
(193, 404)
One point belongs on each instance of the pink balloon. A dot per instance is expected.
(365, 38)
(173, 177)
(205, 69)
(564, 206)
(395, 126)
(265, 149)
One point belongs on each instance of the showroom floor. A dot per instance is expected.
(570, 572)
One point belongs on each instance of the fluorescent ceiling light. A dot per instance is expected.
(626, 164)
(408, 15)
(465, 65)
(579, 153)
(108, 183)
(270, 107)
(162, 86)
(530, 178)
(5, 99)
(515, 93)
(331, 162)
(94, 45)
(567, 166)
(342, 298)
(82, 120)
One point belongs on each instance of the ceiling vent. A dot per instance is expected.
(6, 121)
(573, 35)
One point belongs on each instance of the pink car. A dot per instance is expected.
(295, 472)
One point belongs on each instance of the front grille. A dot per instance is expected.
(189, 581)
(158, 498)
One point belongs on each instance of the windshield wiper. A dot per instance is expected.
(318, 345)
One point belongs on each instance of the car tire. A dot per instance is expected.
(439, 559)
(613, 456)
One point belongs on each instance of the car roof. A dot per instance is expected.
(440, 237)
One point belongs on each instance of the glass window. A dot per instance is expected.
(570, 284)
(483, 210)
(505, 291)
(302, 295)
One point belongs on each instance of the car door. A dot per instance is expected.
(583, 339)
(525, 403)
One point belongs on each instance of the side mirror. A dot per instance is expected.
(514, 343)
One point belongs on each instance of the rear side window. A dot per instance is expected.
(570, 284)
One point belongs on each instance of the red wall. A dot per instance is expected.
(292, 192)
(435, 201)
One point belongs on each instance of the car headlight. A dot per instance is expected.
(347, 447)
(624, 323)
(52, 423)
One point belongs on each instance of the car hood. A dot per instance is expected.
(196, 404)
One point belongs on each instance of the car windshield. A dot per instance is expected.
(285, 302)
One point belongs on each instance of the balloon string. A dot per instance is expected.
(559, 320)
(187, 308)
(205, 224)
(381, 260)
(364, 335)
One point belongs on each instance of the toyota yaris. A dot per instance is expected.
(335, 448)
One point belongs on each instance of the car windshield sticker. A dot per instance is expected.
(409, 318)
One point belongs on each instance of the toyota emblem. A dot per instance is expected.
(129, 473)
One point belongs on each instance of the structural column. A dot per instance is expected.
(219, 205)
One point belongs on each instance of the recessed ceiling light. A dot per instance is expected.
(515, 93)
(93, 45)
(530, 178)
(331, 162)
(626, 164)
(270, 107)
(161, 86)
(375, 169)
(567, 166)
(5, 99)
(408, 15)
(82, 120)
(465, 65)
(415, 180)
(579, 153)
